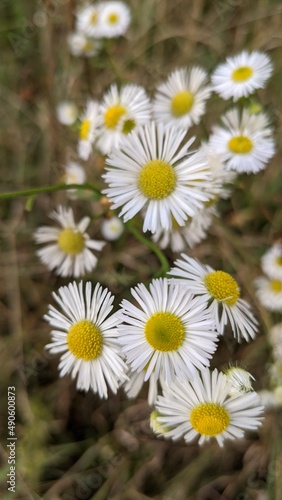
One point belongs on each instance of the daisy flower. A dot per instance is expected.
(241, 75)
(245, 141)
(151, 172)
(88, 20)
(68, 249)
(74, 174)
(241, 380)
(120, 112)
(275, 336)
(203, 409)
(170, 334)
(115, 19)
(158, 429)
(88, 130)
(86, 334)
(112, 228)
(81, 45)
(271, 262)
(222, 292)
(67, 113)
(269, 292)
(181, 100)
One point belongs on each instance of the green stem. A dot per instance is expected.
(48, 189)
(149, 244)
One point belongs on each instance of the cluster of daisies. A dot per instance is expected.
(95, 22)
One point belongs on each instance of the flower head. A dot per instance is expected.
(115, 19)
(241, 380)
(89, 129)
(151, 172)
(241, 75)
(203, 409)
(86, 334)
(112, 228)
(69, 248)
(271, 262)
(88, 20)
(269, 292)
(67, 112)
(74, 174)
(222, 292)
(81, 45)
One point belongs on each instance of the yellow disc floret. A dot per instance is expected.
(85, 341)
(242, 74)
(70, 241)
(240, 144)
(279, 261)
(113, 115)
(164, 332)
(157, 179)
(276, 286)
(84, 130)
(222, 287)
(209, 419)
(128, 125)
(113, 18)
(181, 103)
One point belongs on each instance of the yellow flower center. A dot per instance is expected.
(113, 115)
(279, 261)
(157, 427)
(242, 74)
(209, 419)
(85, 341)
(157, 179)
(164, 332)
(70, 241)
(113, 18)
(181, 103)
(94, 18)
(84, 130)
(222, 287)
(240, 144)
(128, 125)
(276, 286)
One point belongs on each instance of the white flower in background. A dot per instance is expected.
(159, 429)
(89, 129)
(115, 18)
(242, 74)
(275, 337)
(269, 292)
(121, 111)
(86, 334)
(170, 334)
(222, 292)
(88, 20)
(181, 100)
(81, 45)
(74, 174)
(151, 172)
(245, 141)
(112, 228)
(67, 112)
(271, 262)
(268, 399)
(241, 380)
(68, 249)
(203, 409)
(221, 176)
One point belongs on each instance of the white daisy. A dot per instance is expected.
(181, 100)
(271, 262)
(112, 228)
(153, 173)
(89, 129)
(269, 292)
(120, 112)
(87, 336)
(74, 174)
(241, 75)
(115, 19)
(81, 45)
(68, 249)
(245, 141)
(88, 20)
(204, 409)
(275, 337)
(67, 112)
(170, 333)
(241, 380)
(223, 293)
(158, 429)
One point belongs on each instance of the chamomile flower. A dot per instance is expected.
(86, 334)
(151, 172)
(88, 20)
(269, 292)
(203, 409)
(181, 100)
(67, 112)
(74, 174)
(112, 228)
(120, 112)
(68, 249)
(170, 333)
(115, 19)
(241, 380)
(275, 337)
(89, 129)
(271, 262)
(222, 292)
(241, 75)
(245, 141)
(81, 45)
